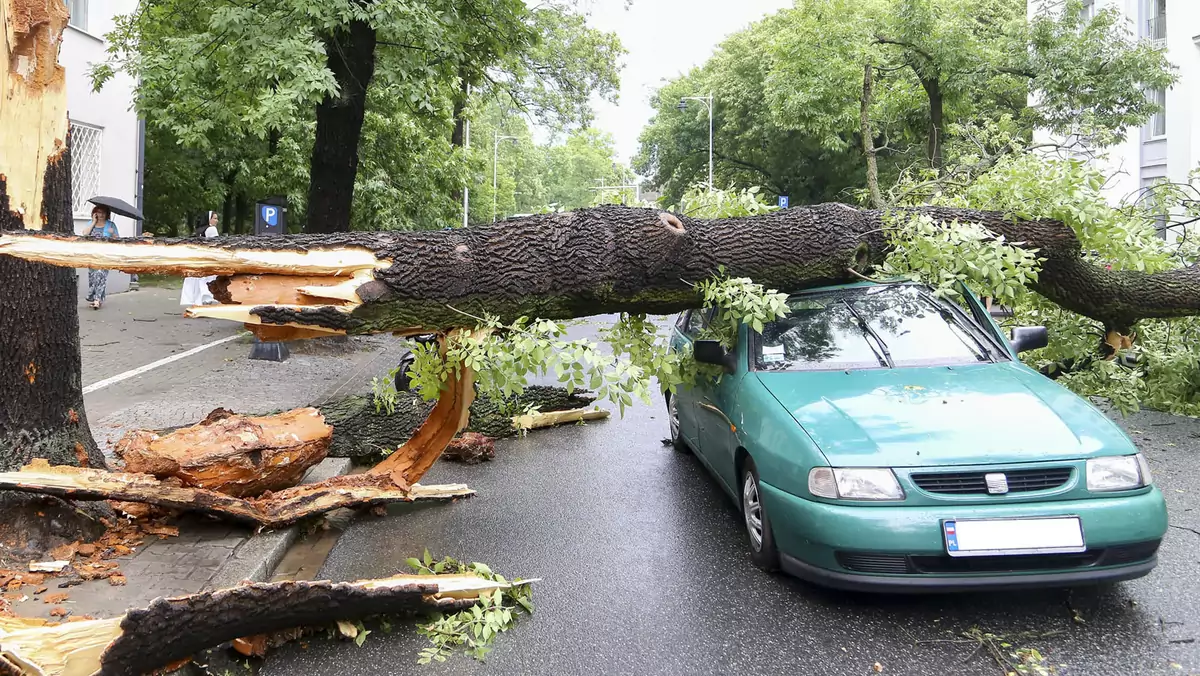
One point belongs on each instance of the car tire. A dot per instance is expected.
(403, 381)
(758, 525)
(677, 441)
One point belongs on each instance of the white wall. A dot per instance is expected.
(110, 109)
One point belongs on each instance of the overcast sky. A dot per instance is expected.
(664, 38)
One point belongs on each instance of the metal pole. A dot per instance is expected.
(467, 146)
(495, 159)
(710, 142)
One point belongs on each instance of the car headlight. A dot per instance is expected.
(1118, 473)
(874, 483)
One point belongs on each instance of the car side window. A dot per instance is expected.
(697, 321)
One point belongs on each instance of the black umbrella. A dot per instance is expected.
(118, 206)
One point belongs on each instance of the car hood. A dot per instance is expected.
(912, 417)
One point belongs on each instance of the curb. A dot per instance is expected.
(256, 558)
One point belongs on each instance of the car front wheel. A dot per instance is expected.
(673, 419)
(758, 525)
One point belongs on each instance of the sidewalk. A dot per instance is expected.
(140, 327)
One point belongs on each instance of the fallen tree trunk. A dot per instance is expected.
(171, 630)
(237, 455)
(359, 430)
(593, 261)
(272, 510)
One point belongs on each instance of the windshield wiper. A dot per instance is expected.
(885, 357)
(953, 319)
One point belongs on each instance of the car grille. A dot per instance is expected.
(968, 483)
(942, 564)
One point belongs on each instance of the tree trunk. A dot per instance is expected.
(933, 89)
(868, 140)
(334, 165)
(360, 431)
(169, 630)
(593, 261)
(41, 397)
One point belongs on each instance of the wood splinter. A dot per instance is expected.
(272, 510)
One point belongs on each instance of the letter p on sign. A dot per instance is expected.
(271, 215)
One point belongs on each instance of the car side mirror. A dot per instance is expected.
(1025, 338)
(713, 352)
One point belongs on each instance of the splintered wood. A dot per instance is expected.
(238, 455)
(271, 510)
(172, 630)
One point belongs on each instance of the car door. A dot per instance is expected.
(716, 407)
(687, 328)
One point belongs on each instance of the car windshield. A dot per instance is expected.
(871, 327)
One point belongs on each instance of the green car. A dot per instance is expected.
(880, 438)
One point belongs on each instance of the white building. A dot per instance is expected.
(107, 150)
(1168, 146)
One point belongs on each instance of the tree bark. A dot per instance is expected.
(41, 397)
(170, 630)
(868, 140)
(334, 166)
(937, 105)
(360, 431)
(593, 261)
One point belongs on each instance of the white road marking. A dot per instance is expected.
(161, 362)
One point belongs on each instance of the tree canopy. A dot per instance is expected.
(789, 91)
(242, 94)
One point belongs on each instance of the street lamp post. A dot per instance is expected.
(467, 147)
(495, 161)
(708, 103)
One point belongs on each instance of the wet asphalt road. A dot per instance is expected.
(645, 571)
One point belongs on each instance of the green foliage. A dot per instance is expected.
(471, 630)
(1162, 370)
(229, 91)
(700, 202)
(946, 256)
(788, 92)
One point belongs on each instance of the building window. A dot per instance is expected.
(1088, 11)
(1154, 24)
(85, 166)
(1157, 126)
(79, 13)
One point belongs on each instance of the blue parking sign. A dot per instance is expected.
(783, 201)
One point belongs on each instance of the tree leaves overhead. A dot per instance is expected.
(788, 91)
(229, 91)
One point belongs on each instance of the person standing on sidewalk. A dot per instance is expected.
(195, 289)
(101, 227)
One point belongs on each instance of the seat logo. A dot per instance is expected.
(997, 484)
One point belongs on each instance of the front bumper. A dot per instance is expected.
(903, 550)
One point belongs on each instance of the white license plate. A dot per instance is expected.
(998, 537)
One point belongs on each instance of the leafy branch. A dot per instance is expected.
(472, 629)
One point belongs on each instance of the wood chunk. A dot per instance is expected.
(272, 510)
(237, 455)
(471, 448)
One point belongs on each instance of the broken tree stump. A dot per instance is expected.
(271, 510)
(172, 630)
(238, 455)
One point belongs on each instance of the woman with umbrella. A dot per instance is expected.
(101, 227)
(195, 289)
